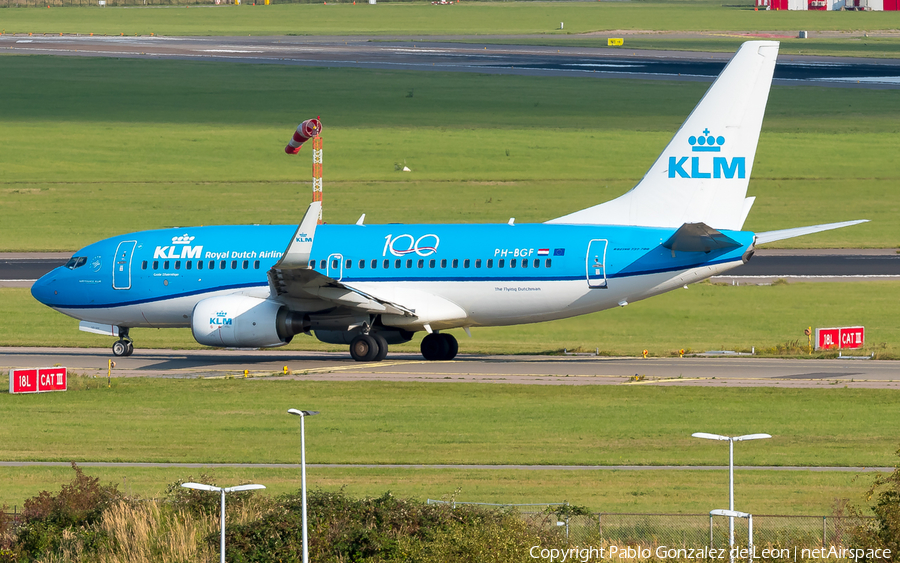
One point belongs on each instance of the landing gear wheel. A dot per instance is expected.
(452, 346)
(434, 347)
(120, 348)
(130, 349)
(363, 348)
(382, 347)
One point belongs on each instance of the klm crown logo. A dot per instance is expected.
(706, 142)
(183, 239)
(699, 167)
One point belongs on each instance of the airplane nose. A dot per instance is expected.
(44, 289)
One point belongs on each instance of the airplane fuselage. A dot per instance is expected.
(496, 274)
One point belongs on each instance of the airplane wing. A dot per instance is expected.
(292, 277)
(772, 236)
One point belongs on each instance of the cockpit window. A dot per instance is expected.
(76, 262)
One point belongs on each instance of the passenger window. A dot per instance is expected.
(349, 264)
(188, 264)
(421, 263)
(490, 263)
(212, 264)
(362, 264)
(501, 262)
(444, 263)
(312, 264)
(512, 263)
(397, 263)
(256, 265)
(199, 264)
(409, 263)
(144, 265)
(156, 264)
(322, 264)
(466, 263)
(166, 265)
(178, 264)
(547, 263)
(524, 262)
(537, 262)
(478, 263)
(334, 264)
(221, 264)
(431, 263)
(386, 264)
(245, 264)
(234, 264)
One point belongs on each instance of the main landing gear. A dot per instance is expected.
(370, 347)
(125, 345)
(439, 346)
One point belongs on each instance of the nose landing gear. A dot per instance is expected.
(125, 345)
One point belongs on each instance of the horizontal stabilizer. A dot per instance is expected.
(772, 236)
(699, 237)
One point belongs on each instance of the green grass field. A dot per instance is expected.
(238, 421)
(761, 317)
(422, 19)
(97, 147)
(680, 491)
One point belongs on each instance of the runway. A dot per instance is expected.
(443, 54)
(722, 370)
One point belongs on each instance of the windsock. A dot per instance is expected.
(305, 131)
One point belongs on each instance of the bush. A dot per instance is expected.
(75, 507)
(383, 529)
(884, 531)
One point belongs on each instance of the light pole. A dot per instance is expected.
(222, 491)
(303, 415)
(731, 440)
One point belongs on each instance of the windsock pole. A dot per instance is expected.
(317, 172)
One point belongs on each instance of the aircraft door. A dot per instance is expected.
(596, 263)
(335, 269)
(122, 265)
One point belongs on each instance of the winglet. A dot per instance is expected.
(296, 255)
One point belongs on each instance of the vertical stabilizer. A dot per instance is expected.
(702, 175)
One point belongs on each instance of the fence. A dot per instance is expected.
(699, 530)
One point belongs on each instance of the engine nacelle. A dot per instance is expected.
(244, 322)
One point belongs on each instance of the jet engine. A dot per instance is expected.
(305, 131)
(241, 321)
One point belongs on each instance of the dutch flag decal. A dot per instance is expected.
(543, 252)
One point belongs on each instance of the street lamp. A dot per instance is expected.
(731, 440)
(303, 415)
(202, 487)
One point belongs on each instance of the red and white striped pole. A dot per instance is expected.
(317, 172)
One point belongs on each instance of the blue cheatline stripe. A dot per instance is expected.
(163, 298)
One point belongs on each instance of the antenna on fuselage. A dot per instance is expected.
(310, 129)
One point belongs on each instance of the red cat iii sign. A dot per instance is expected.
(38, 380)
(843, 337)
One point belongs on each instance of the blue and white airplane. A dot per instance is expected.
(370, 286)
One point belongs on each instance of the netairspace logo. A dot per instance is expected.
(699, 167)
